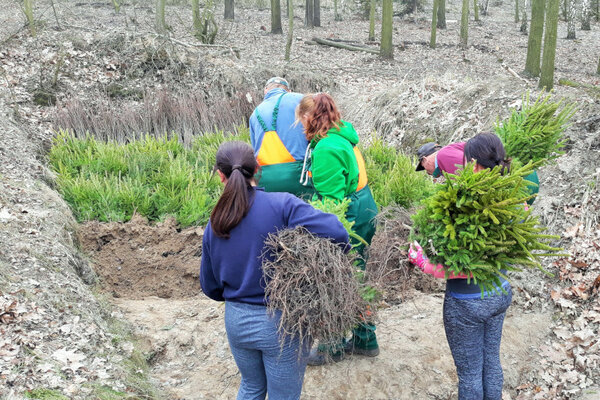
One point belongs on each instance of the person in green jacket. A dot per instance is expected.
(337, 170)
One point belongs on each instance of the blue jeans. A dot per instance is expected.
(474, 329)
(265, 366)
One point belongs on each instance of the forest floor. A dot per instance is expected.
(61, 321)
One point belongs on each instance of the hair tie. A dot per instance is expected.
(236, 167)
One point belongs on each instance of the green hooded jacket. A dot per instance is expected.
(335, 175)
(333, 163)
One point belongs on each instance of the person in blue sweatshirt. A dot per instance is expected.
(231, 271)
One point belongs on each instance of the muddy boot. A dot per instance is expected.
(363, 342)
(326, 354)
(352, 349)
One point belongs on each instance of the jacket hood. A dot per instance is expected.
(346, 131)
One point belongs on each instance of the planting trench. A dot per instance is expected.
(151, 271)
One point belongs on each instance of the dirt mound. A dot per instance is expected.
(136, 259)
(388, 268)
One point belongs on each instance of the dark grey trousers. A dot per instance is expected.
(474, 329)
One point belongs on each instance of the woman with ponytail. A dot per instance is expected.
(337, 170)
(486, 151)
(231, 271)
(472, 321)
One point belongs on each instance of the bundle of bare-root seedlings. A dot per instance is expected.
(388, 270)
(312, 282)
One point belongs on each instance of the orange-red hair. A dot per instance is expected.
(320, 112)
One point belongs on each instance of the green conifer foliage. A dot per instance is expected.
(476, 224)
(536, 132)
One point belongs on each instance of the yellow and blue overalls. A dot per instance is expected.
(280, 171)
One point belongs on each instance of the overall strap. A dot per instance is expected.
(276, 112)
(261, 121)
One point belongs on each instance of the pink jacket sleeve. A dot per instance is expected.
(418, 257)
(438, 271)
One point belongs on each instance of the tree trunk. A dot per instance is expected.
(585, 15)
(476, 10)
(372, 21)
(309, 14)
(336, 15)
(159, 22)
(290, 35)
(598, 70)
(276, 17)
(523, 28)
(564, 5)
(434, 23)
(547, 73)
(196, 22)
(485, 7)
(204, 25)
(441, 15)
(464, 24)
(229, 10)
(28, 10)
(571, 16)
(516, 10)
(534, 44)
(386, 50)
(317, 13)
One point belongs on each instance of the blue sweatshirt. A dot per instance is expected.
(292, 136)
(231, 269)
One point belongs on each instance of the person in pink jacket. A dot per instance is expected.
(473, 320)
(434, 158)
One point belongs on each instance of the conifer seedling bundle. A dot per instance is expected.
(536, 132)
(477, 224)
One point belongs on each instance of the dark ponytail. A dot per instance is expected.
(486, 148)
(237, 162)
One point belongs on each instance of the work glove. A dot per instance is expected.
(416, 255)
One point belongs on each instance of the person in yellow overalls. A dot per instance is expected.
(278, 141)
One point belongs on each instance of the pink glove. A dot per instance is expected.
(416, 255)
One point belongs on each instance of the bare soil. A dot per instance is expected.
(136, 259)
(193, 360)
(55, 332)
